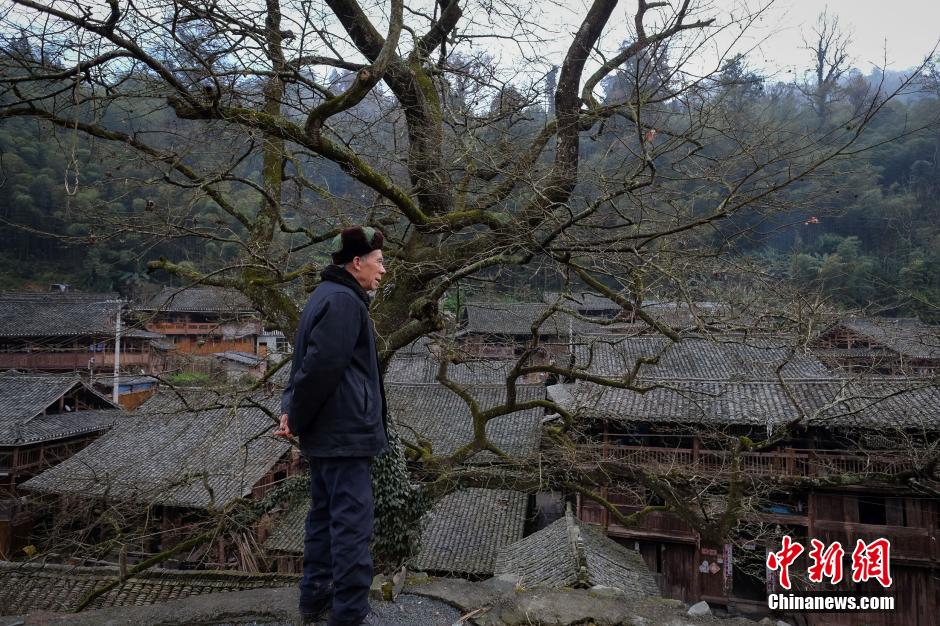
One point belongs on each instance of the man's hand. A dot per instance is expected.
(284, 429)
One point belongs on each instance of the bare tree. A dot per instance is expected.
(443, 147)
(829, 45)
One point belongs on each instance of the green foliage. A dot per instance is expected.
(189, 379)
(874, 244)
(398, 503)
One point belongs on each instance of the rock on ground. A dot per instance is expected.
(700, 608)
(501, 603)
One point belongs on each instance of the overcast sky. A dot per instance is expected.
(907, 29)
(897, 32)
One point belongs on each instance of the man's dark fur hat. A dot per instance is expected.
(355, 241)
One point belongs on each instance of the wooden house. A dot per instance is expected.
(203, 320)
(683, 315)
(132, 391)
(872, 430)
(882, 346)
(44, 420)
(181, 458)
(503, 330)
(71, 332)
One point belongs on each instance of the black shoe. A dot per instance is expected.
(315, 609)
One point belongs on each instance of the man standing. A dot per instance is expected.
(335, 405)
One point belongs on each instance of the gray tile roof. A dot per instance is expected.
(422, 346)
(198, 459)
(465, 530)
(570, 554)
(502, 318)
(908, 337)
(610, 564)
(62, 425)
(31, 587)
(721, 357)
(461, 535)
(583, 301)
(281, 377)
(827, 403)
(410, 369)
(418, 369)
(442, 417)
(55, 314)
(198, 300)
(24, 397)
(173, 401)
(287, 536)
(681, 315)
(243, 358)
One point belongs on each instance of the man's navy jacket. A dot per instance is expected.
(335, 401)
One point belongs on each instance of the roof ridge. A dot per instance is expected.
(578, 549)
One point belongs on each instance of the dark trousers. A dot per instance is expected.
(337, 534)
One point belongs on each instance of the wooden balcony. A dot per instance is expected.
(790, 462)
(70, 361)
(211, 345)
(206, 328)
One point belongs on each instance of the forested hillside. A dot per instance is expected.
(868, 236)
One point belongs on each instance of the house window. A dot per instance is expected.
(896, 511)
(872, 510)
